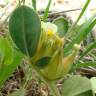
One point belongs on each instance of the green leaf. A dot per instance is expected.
(62, 25)
(88, 49)
(88, 63)
(25, 28)
(6, 71)
(6, 52)
(76, 85)
(46, 11)
(85, 64)
(93, 82)
(83, 10)
(79, 17)
(43, 62)
(83, 31)
(88, 93)
(19, 92)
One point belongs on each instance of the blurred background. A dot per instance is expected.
(70, 7)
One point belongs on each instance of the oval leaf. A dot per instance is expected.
(6, 71)
(62, 24)
(93, 82)
(25, 28)
(76, 85)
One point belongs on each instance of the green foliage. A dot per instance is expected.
(88, 49)
(46, 11)
(25, 30)
(83, 10)
(7, 70)
(62, 25)
(76, 85)
(85, 64)
(79, 17)
(93, 82)
(6, 52)
(88, 93)
(83, 31)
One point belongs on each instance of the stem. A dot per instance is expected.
(46, 11)
(34, 4)
(19, 2)
(23, 2)
(81, 14)
(53, 88)
(51, 84)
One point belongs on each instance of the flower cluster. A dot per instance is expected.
(50, 44)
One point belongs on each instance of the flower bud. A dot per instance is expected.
(68, 60)
(59, 66)
(48, 41)
(50, 44)
(49, 27)
(57, 44)
(41, 46)
(53, 70)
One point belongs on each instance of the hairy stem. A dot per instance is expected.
(51, 84)
(53, 88)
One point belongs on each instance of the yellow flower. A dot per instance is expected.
(53, 70)
(59, 66)
(50, 33)
(50, 44)
(49, 28)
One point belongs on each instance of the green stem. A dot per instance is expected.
(81, 14)
(46, 11)
(19, 2)
(23, 1)
(34, 4)
(53, 88)
(51, 84)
